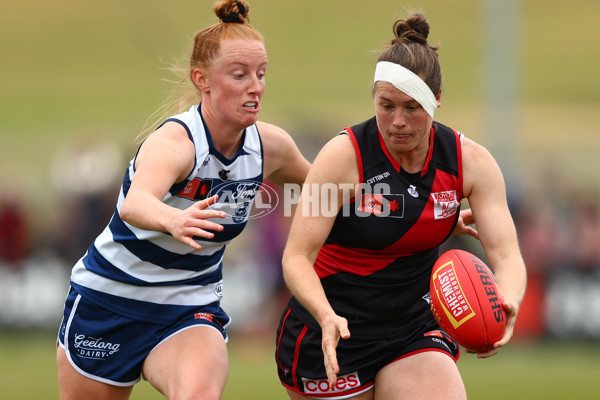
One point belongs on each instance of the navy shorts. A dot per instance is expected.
(300, 358)
(111, 348)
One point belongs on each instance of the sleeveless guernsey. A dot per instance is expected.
(376, 263)
(151, 276)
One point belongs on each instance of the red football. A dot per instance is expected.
(466, 300)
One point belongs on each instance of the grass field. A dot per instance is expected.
(548, 370)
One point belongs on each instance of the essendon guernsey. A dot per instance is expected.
(376, 263)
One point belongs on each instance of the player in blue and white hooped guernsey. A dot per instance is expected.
(126, 262)
(145, 298)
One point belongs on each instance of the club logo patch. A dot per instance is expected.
(445, 204)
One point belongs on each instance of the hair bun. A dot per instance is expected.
(232, 11)
(413, 29)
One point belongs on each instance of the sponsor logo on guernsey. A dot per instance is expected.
(321, 386)
(196, 189)
(382, 205)
(219, 290)
(451, 296)
(412, 190)
(94, 348)
(378, 178)
(223, 174)
(445, 204)
(236, 198)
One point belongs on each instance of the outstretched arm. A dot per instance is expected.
(166, 157)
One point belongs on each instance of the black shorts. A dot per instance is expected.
(300, 363)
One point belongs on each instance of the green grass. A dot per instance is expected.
(546, 370)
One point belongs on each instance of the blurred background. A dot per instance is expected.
(79, 80)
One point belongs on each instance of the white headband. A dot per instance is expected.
(408, 82)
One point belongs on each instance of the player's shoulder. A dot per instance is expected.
(340, 145)
(274, 138)
(337, 161)
(170, 138)
(473, 150)
(479, 168)
(272, 131)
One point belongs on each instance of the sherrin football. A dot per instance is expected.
(466, 300)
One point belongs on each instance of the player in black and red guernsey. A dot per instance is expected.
(359, 323)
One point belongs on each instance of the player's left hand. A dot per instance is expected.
(511, 318)
(462, 226)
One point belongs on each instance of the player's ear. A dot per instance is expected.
(438, 97)
(200, 79)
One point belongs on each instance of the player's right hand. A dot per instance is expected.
(332, 330)
(192, 222)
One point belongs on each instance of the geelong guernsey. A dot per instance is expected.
(150, 275)
(377, 260)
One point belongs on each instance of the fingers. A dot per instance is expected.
(205, 212)
(204, 228)
(472, 232)
(209, 201)
(200, 226)
(331, 335)
(201, 215)
(331, 365)
(330, 341)
(467, 216)
(194, 222)
(343, 329)
(511, 314)
(190, 242)
(489, 353)
(485, 354)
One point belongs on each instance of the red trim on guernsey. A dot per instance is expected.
(430, 152)
(296, 355)
(387, 153)
(395, 162)
(357, 151)
(334, 258)
(459, 162)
